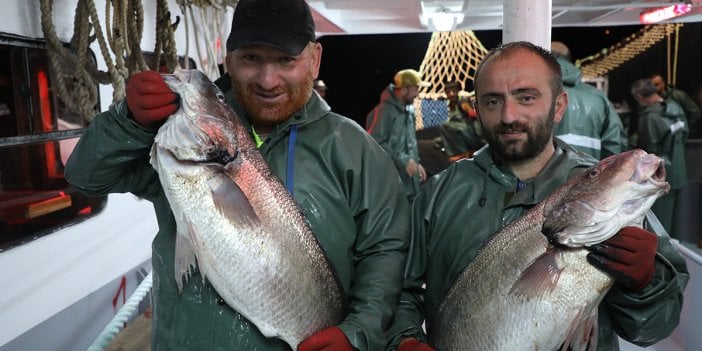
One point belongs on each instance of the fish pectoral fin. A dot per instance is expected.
(231, 201)
(539, 278)
(185, 260)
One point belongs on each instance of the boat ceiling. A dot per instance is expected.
(403, 16)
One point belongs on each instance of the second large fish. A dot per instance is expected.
(237, 221)
(520, 292)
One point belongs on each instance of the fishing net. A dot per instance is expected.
(602, 63)
(450, 56)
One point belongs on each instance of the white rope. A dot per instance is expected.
(126, 311)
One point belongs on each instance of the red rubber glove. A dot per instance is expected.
(149, 98)
(628, 257)
(330, 339)
(414, 345)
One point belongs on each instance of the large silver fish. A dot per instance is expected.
(522, 293)
(237, 221)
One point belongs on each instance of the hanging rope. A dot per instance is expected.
(75, 75)
(67, 84)
(208, 33)
(676, 49)
(165, 50)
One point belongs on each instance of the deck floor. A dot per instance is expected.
(136, 336)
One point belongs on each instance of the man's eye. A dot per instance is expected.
(492, 102)
(286, 60)
(251, 58)
(527, 99)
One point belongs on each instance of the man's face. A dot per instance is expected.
(451, 94)
(659, 83)
(409, 93)
(516, 106)
(270, 84)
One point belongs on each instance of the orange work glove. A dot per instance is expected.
(628, 257)
(149, 98)
(414, 345)
(329, 339)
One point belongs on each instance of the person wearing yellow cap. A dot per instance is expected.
(392, 124)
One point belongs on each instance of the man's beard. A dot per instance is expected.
(537, 139)
(270, 115)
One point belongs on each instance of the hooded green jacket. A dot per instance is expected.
(590, 123)
(345, 184)
(663, 131)
(692, 111)
(392, 124)
(458, 209)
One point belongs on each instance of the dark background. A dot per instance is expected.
(356, 68)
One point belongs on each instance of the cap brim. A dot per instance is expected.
(284, 40)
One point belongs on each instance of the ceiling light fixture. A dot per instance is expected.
(441, 16)
(663, 13)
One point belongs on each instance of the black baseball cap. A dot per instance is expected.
(284, 24)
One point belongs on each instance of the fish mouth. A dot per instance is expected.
(650, 171)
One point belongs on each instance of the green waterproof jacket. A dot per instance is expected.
(458, 209)
(460, 133)
(692, 111)
(590, 123)
(663, 131)
(392, 124)
(351, 197)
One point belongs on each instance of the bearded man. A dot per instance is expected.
(519, 98)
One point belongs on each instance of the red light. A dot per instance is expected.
(664, 13)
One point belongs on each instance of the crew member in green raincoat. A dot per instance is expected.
(344, 182)
(460, 133)
(590, 124)
(690, 108)
(663, 131)
(392, 124)
(519, 98)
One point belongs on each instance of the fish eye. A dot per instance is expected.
(221, 156)
(594, 173)
(220, 96)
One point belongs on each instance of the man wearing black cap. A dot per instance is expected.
(344, 182)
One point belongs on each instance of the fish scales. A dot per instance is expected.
(236, 221)
(523, 293)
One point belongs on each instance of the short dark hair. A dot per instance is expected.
(643, 87)
(452, 84)
(505, 50)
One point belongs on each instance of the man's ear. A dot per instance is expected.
(561, 106)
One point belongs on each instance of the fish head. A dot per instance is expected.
(612, 194)
(202, 130)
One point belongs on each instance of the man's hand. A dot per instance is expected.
(413, 345)
(628, 257)
(149, 98)
(422, 173)
(411, 168)
(330, 339)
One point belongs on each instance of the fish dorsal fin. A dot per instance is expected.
(539, 278)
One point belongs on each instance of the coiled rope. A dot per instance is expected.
(126, 311)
